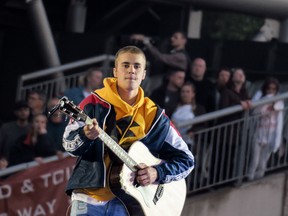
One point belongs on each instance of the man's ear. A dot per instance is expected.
(114, 72)
(144, 75)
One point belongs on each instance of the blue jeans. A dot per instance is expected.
(113, 208)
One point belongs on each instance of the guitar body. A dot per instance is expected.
(152, 200)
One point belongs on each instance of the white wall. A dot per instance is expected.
(265, 197)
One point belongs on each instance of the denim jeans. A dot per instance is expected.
(113, 208)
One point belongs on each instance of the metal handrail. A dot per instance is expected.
(59, 69)
(230, 110)
(24, 166)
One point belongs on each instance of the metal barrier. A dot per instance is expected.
(224, 151)
(23, 166)
(53, 86)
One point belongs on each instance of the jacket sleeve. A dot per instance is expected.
(177, 59)
(178, 160)
(75, 141)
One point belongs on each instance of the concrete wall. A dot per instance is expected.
(265, 197)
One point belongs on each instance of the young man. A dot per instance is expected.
(122, 111)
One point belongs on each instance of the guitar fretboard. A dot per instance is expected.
(115, 147)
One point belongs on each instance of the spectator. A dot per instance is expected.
(235, 93)
(186, 110)
(176, 58)
(220, 84)
(11, 131)
(56, 125)
(205, 88)
(35, 145)
(93, 80)
(167, 95)
(37, 100)
(269, 126)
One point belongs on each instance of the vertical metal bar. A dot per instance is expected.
(243, 148)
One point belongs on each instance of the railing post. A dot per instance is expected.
(243, 149)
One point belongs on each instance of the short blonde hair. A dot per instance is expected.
(129, 49)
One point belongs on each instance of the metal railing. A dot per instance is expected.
(23, 166)
(224, 150)
(53, 86)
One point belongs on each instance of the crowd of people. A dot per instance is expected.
(33, 136)
(185, 91)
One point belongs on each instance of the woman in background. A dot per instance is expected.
(269, 127)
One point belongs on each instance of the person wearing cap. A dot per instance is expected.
(11, 131)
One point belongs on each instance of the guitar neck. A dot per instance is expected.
(114, 147)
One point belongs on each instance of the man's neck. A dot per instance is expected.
(22, 122)
(178, 48)
(197, 78)
(238, 87)
(172, 87)
(37, 111)
(129, 97)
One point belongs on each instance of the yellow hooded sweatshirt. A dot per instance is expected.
(141, 116)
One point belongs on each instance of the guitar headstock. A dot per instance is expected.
(70, 109)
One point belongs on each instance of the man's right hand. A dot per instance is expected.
(92, 130)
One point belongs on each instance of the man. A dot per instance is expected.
(221, 81)
(11, 131)
(93, 80)
(121, 109)
(37, 100)
(205, 89)
(167, 95)
(176, 58)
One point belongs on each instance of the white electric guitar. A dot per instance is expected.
(152, 200)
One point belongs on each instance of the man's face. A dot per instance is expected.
(198, 68)
(178, 78)
(96, 79)
(223, 77)
(34, 101)
(23, 113)
(130, 71)
(177, 40)
(239, 76)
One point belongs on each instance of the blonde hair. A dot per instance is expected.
(129, 49)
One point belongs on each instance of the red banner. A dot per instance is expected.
(37, 191)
